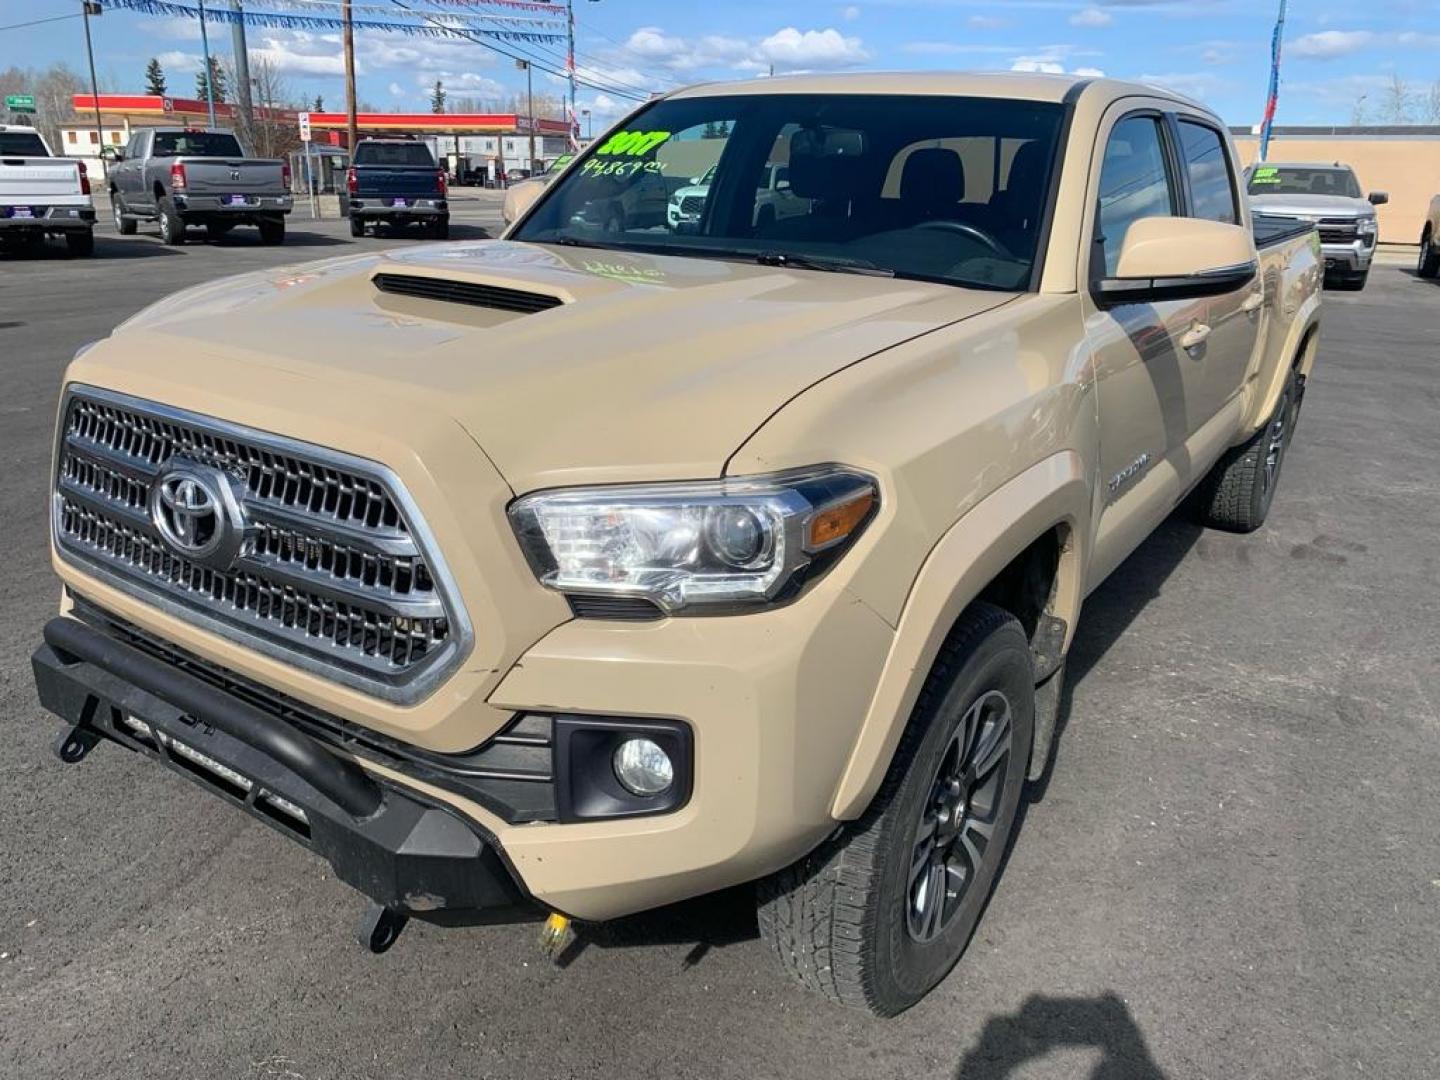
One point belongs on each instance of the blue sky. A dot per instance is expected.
(1338, 55)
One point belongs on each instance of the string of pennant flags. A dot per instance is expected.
(294, 20)
(456, 13)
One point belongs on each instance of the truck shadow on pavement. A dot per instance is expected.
(1045, 1024)
(705, 923)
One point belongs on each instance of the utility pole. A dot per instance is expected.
(209, 71)
(88, 8)
(524, 65)
(246, 116)
(349, 38)
(570, 73)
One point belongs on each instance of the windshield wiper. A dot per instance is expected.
(822, 262)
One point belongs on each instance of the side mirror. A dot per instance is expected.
(1379, 198)
(111, 153)
(1174, 258)
(518, 198)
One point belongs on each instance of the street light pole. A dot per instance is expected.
(349, 45)
(88, 8)
(209, 71)
(524, 65)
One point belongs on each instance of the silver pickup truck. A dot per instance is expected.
(182, 177)
(1328, 195)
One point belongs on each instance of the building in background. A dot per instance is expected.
(1401, 160)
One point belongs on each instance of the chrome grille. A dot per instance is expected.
(331, 574)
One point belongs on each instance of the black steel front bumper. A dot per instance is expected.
(407, 854)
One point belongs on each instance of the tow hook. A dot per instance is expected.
(379, 927)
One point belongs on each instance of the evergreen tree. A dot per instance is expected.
(711, 131)
(319, 105)
(217, 76)
(437, 98)
(154, 78)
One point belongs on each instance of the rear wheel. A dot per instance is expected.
(357, 225)
(1428, 265)
(80, 243)
(1237, 493)
(441, 228)
(272, 231)
(124, 223)
(172, 225)
(877, 916)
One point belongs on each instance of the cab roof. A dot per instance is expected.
(1024, 86)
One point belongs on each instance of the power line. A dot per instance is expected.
(37, 22)
(525, 54)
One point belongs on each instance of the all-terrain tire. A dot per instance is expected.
(837, 920)
(440, 228)
(1237, 493)
(172, 225)
(1428, 265)
(357, 225)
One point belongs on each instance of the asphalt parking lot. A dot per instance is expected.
(1232, 870)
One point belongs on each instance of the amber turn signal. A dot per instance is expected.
(835, 523)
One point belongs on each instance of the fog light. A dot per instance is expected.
(643, 767)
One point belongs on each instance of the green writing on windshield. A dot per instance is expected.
(631, 143)
(1266, 174)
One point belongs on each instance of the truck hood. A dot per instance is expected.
(642, 367)
(1312, 206)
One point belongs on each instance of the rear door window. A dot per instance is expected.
(393, 154)
(1212, 190)
(1135, 183)
(21, 144)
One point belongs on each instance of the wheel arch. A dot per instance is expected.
(1024, 547)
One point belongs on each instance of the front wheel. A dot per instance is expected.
(877, 916)
(124, 223)
(1428, 265)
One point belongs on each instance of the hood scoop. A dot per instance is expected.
(473, 294)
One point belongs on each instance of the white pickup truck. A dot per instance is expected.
(41, 194)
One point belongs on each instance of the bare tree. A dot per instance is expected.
(273, 138)
(1398, 100)
(1432, 103)
(54, 89)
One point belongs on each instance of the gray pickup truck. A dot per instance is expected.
(1331, 198)
(182, 177)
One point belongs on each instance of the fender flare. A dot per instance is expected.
(1055, 491)
(1299, 347)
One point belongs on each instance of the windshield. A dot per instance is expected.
(1296, 180)
(947, 189)
(196, 144)
(379, 153)
(22, 144)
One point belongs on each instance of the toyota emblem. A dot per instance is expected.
(196, 513)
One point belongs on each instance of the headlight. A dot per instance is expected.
(705, 546)
(1367, 226)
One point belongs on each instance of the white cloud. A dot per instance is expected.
(1328, 44)
(794, 49)
(177, 29)
(300, 54)
(396, 90)
(1055, 60)
(1089, 72)
(985, 22)
(469, 83)
(851, 12)
(1037, 64)
(176, 61)
(1195, 84)
(1091, 16)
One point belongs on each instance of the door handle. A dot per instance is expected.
(1195, 336)
(1253, 301)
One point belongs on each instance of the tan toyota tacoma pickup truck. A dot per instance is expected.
(603, 566)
